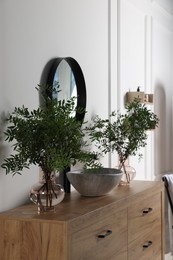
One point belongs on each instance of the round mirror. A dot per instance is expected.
(67, 74)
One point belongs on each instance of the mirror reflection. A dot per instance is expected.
(66, 75)
(64, 78)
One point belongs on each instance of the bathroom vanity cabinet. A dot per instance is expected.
(127, 224)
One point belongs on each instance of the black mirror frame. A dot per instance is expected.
(48, 78)
(79, 79)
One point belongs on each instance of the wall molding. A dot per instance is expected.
(162, 10)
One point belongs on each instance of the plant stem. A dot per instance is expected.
(122, 165)
(126, 173)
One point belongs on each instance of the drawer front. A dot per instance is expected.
(144, 215)
(105, 239)
(146, 247)
(120, 256)
(158, 257)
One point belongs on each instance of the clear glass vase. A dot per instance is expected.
(129, 173)
(46, 194)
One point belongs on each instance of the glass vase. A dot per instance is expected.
(129, 173)
(47, 194)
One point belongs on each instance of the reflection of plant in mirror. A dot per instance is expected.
(124, 133)
(47, 136)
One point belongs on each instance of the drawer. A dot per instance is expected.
(144, 215)
(158, 257)
(146, 247)
(105, 239)
(119, 256)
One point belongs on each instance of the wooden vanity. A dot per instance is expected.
(127, 224)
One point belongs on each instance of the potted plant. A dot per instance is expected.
(123, 133)
(50, 137)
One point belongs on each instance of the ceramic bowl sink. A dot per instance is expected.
(95, 182)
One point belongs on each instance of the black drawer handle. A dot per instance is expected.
(146, 211)
(148, 244)
(107, 233)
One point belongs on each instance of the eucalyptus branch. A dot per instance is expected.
(48, 136)
(123, 133)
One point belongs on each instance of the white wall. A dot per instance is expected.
(33, 32)
(145, 59)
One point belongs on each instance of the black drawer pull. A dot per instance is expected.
(149, 243)
(107, 233)
(146, 211)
